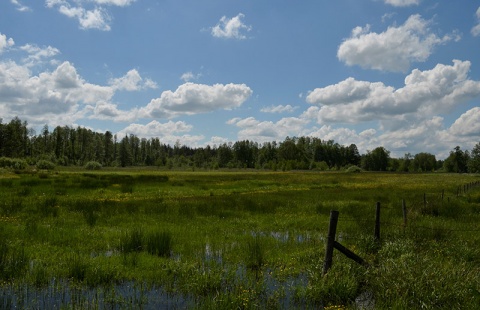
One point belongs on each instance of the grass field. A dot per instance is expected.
(131, 238)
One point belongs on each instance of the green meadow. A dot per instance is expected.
(246, 239)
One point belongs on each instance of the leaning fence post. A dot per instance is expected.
(332, 230)
(404, 210)
(377, 223)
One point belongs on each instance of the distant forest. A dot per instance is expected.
(68, 146)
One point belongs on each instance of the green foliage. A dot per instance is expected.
(353, 169)
(93, 165)
(45, 165)
(13, 163)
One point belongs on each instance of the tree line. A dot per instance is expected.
(66, 146)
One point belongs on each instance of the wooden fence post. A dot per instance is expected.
(404, 211)
(377, 223)
(332, 230)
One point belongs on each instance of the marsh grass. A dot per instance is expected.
(13, 261)
(255, 253)
(264, 231)
(77, 267)
(49, 207)
(131, 241)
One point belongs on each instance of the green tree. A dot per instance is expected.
(124, 153)
(376, 160)
(457, 161)
(474, 162)
(424, 162)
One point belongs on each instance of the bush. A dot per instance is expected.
(354, 169)
(45, 165)
(13, 163)
(93, 165)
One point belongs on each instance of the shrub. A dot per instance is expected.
(354, 169)
(93, 165)
(45, 165)
(13, 163)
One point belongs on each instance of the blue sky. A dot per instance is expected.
(403, 74)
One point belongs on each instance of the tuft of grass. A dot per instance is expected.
(76, 268)
(255, 253)
(13, 261)
(131, 241)
(48, 207)
(159, 243)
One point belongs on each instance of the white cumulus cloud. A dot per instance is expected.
(231, 28)
(425, 94)
(392, 50)
(191, 98)
(132, 81)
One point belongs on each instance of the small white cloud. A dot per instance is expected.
(20, 7)
(279, 109)
(400, 3)
(132, 81)
(231, 28)
(189, 76)
(5, 43)
(36, 55)
(476, 29)
(392, 50)
(115, 2)
(96, 18)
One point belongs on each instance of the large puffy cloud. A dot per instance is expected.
(426, 93)
(191, 98)
(392, 50)
(62, 93)
(231, 28)
(468, 124)
(55, 92)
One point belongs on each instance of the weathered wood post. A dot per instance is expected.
(404, 211)
(332, 230)
(424, 201)
(376, 234)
